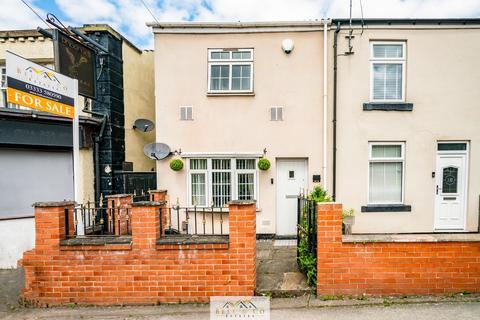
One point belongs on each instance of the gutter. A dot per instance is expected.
(334, 120)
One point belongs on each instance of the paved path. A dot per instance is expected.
(433, 311)
(277, 269)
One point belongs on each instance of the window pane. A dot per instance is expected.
(451, 146)
(244, 55)
(225, 55)
(221, 188)
(386, 151)
(198, 189)
(450, 180)
(387, 51)
(246, 186)
(387, 81)
(198, 164)
(215, 55)
(224, 71)
(241, 77)
(385, 183)
(219, 77)
(221, 164)
(245, 164)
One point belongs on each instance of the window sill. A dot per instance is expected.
(387, 208)
(226, 94)
(388, 106)
(429, 237)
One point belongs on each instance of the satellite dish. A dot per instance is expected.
(143, 125)
(156, 151)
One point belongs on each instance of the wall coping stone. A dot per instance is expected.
(47, 204)
(194, 239)
(427, 237)
(123, 195)
(148, 203)
(96, 241)
(159, 190)
(243, 202)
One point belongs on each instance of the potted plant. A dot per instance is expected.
(176, 164)
(348, 220)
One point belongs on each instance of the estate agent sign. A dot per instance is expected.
(34, 86)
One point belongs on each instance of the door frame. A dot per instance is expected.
(465, 153)
(305, 160)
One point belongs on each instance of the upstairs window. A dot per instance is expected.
(230, 70)
(387, 78)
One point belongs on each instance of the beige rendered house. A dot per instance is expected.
(381, 113)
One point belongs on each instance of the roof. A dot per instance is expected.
(281, 26)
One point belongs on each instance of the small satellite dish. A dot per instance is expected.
(156, 151)
(143, 125)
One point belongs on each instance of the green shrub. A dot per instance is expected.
(176, 164)
(307, 262)
(263, 164)
(319, 195)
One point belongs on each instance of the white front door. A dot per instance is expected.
(291, 179)
(450, 189)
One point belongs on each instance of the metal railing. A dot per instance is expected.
(307, 225)
(97, 221)
(178, 220)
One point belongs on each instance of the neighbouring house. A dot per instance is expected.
(36, 148)
(390, 132)
(407, 125)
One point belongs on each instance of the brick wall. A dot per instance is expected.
(142, 271)
(391, 268)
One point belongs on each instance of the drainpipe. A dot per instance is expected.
(334, 121)
(325, 103)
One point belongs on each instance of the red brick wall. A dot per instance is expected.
(391, 268)
(119, 213)
(141, 272)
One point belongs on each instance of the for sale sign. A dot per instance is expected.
(37, 87)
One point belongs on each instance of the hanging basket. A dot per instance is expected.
(176, 164)
(263, 164)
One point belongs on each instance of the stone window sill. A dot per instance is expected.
(401, 106)
(228, 94)
(387, 208)
(429, 237)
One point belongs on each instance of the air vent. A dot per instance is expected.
(276, 113)
(186, 113)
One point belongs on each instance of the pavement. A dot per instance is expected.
(281, 308)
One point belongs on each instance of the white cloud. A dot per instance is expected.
(15, 15)
(129, 16)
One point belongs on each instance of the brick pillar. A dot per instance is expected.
(243, 240)
(329, 238)
(145, 224)
(119, 212)
(158, 195)
(50, 223)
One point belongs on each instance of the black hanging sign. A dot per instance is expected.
(76, 60)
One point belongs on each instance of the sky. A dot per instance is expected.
(130, 16)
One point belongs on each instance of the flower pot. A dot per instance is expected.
(348, 222)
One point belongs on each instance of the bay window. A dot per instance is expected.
(387, 78)
(215, 182)
(386, 172)
(230, 70)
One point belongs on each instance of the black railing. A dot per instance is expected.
(88, 220)
(136, 183)
(307, 225)
(178, 220)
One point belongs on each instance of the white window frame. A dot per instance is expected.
(3, 73)
(229, 62)
(208, 181)
(402, 61)
(382, 160)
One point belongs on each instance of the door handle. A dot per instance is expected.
(438, 189)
